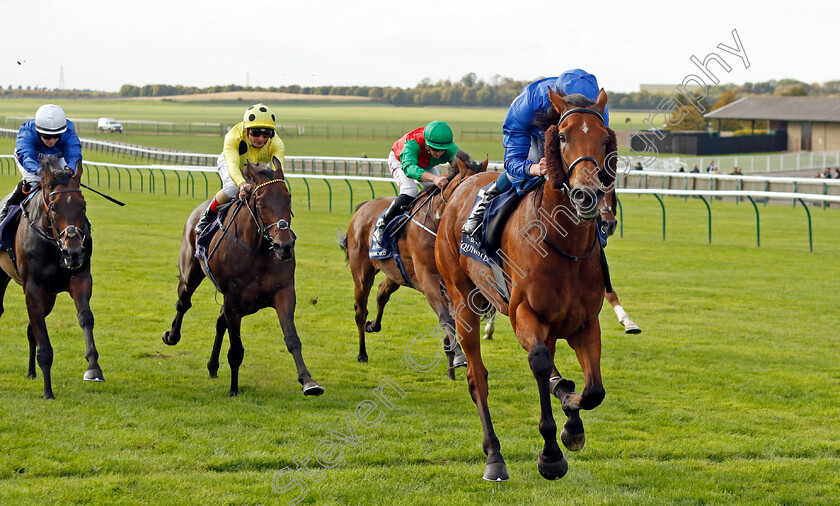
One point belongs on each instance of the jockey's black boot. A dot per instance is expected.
(473, 223)
(396, 208)
(205, 221)
(14, 198)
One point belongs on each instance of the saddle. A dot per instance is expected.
(9, 226)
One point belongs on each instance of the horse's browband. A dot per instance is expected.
(583, 110)
(268, 183)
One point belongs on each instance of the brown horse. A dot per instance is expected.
(252, 260)
(553, 271)
(51, 254)
(608, 224)
(417, 251)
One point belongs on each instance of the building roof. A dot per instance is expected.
(825, 109)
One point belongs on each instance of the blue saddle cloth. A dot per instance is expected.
(9, 226)
(389, 248)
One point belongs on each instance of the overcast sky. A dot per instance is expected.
(102, 45)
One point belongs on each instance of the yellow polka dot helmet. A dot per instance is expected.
(259, 116)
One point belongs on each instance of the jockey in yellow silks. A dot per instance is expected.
(253, 140)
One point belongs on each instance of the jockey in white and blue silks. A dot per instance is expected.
(49, 134)
(524, 139)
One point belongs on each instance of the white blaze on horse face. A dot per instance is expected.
(584, 127)
(68, 199)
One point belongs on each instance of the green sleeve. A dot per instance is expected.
(409, 160)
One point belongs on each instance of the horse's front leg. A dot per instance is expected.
(80, 290)
(467, 325)
(586, 343)
(36, 298)
(533, 336)
(30, 336)
(284, 304)
(213, 363)
(236, 352)
(191, 277)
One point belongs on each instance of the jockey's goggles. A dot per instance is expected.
(268, 133)
(49, 137)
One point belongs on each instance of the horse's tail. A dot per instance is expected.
(342, 243)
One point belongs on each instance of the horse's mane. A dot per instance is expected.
(60, 176)
(468, 161)
(550, 117)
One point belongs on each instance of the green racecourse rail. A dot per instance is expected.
(675, 184)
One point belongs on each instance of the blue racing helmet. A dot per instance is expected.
(582, 82)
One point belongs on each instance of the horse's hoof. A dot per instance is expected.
(496, 472)
(94, 375)
(560, 386)
(169, 339)
(31, 376)
(49, 397)
(362, 359)
(370, 327)
(573, 435)
(233, 393)
(630, 327)
(460, 360)
(552, 470)
(312, 388)
(214, 375)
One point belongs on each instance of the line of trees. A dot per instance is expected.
(469, 91)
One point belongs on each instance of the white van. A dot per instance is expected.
(109, 124)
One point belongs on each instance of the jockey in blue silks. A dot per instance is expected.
(524, 140)
(49, 134)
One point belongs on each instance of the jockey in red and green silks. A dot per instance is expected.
(414, 158)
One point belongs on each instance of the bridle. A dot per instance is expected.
(586, 158)
(265, 229)
(58, 237)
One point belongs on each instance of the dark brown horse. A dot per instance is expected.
(417, 251)
(252, 260)
(553, 271)
(51, 254)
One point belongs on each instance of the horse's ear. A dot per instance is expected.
(600, 102)
(557, 175)
(77, 176)
(557, 101)
(485, 162)
(278, 167)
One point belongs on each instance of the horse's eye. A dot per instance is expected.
(561, 137)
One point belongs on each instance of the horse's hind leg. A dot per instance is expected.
(433, 289)
(284, 304)
(187, 284)
(80, 289)
(623, 318)
(213, 363)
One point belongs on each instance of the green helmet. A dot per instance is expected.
(438, 135)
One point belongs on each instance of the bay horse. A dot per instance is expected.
(417, 251)
(553, 272)
(51, 254)
(608, 224)
(253, 263)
